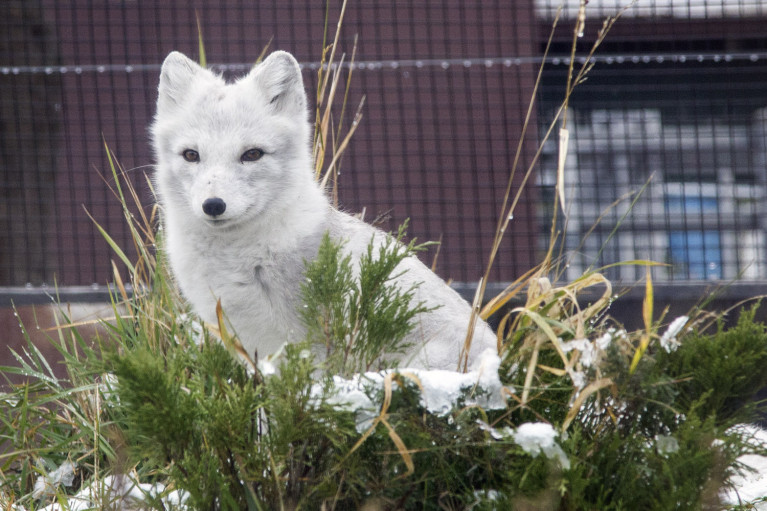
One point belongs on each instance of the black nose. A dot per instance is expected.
(214, 206)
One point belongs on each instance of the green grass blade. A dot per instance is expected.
(113, 244)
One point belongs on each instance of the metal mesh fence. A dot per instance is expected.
(677, 94)
(666, 160)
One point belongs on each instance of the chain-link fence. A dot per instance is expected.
(673, 108)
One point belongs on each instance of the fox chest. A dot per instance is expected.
(259, 290)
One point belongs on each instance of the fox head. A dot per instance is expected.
(226, 152)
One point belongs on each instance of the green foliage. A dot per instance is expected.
(720, 373)
(49, 419)
(223, 435)
(664, 437)
(360, 322)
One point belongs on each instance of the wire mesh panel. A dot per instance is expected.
(666, 157)
(673, 108)
(442, 86)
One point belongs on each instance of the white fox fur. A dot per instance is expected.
(242, 210)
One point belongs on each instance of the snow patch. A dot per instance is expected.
(668, 340)
(266, 368)
(534, 438)
(587, 349)
(440, 389)
(353, 396)
(45, 486)
(119, 493)
(540, 438)
(666, 444)
(751, 485)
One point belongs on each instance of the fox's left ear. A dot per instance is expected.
(279, 79)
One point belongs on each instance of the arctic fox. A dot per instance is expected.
(242, 210)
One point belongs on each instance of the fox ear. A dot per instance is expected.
(176, 78)
(279, 79)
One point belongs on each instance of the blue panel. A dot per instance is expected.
(691, 204)
(696, 253)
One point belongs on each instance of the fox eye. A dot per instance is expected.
(251, 155)
(190, 155)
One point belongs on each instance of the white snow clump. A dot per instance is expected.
(590, 354)
(534, 438)
(666, 444)
(440, 389)
(119, 493)
(45, 486)
(668, 340)
(750, 485)
(540, 437)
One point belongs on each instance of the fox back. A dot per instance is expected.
(242, 210)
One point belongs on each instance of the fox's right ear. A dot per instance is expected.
(176, 78)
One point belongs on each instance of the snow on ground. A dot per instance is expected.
(119, 493)
(440, 389)
(751, 485)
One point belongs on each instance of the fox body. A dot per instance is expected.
(242, 211)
